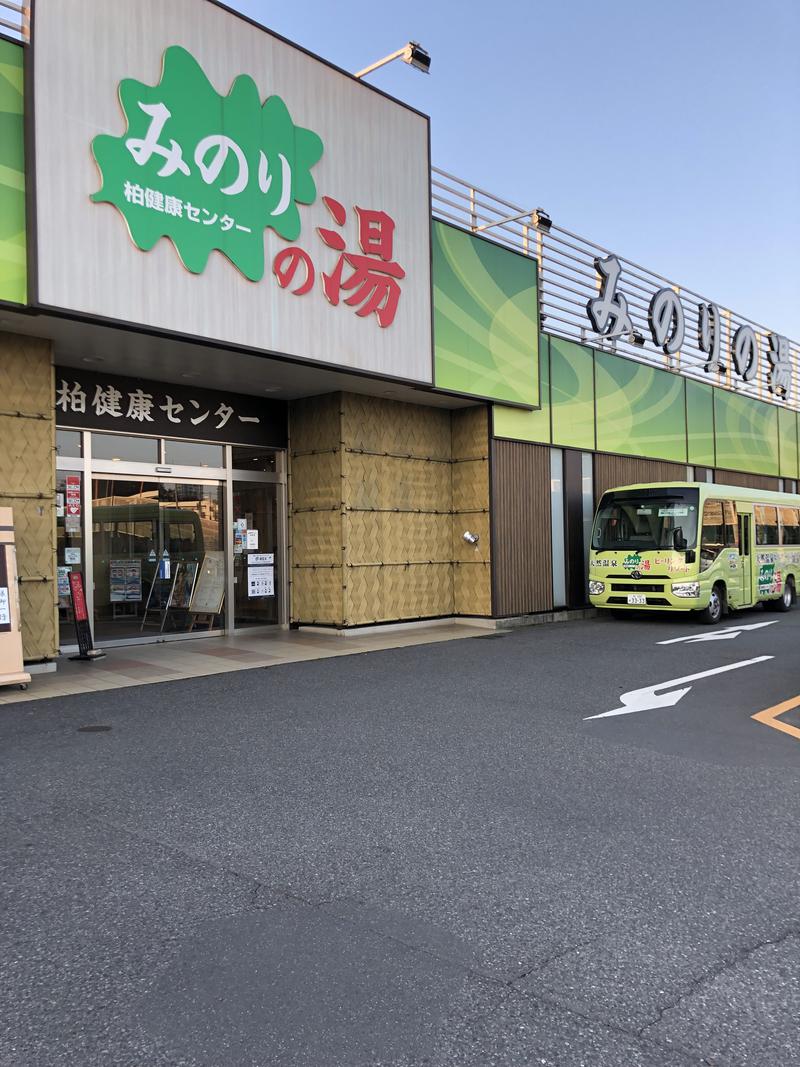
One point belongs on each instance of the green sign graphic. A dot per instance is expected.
(207, 171)
(13, 282)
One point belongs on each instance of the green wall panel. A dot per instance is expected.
(641, 410)
(787, 428)
(700, 423)
(521, 425)
(13, 279)
(572, 394)
(485, 318)
(746, 433)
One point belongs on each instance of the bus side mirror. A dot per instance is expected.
(679, 542)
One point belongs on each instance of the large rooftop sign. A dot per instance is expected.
(198, 175)
(590, 295)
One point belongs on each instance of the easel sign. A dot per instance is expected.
(209, 591)
(12, 670)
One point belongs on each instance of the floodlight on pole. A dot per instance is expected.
(412, 53)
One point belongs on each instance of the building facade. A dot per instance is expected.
(262, 365)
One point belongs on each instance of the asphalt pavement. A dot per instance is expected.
(436, 855)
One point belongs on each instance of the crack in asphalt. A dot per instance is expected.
(739, 957)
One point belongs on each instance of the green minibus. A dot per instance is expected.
(694, 547)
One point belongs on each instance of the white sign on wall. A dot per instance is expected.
(213, 180)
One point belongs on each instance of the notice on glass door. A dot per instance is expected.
(260, 581)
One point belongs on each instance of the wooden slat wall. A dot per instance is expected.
(521, 552)
(746, 481)
(610, 471)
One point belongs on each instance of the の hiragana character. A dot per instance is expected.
(143, 148)
(140, 404)
(107, 401)
(221, 146)
(285, 266)
(73, 399)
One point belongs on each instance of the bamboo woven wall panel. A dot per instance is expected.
(746, 481)
(388, 593)
(315, 423)
(316, 538)
(317, 595)
(389, 537)
(390, 482)
(471, 485)
(521, 551)
(472, 589)
(316, 480)
(378, 425)
(610, 471)
(470, 433)
(27, 471)
(476, 522)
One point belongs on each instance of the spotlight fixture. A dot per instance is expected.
(638, 339)
(471, 538)
(542, 220)
(412, 53)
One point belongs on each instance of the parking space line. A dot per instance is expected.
(769, 716)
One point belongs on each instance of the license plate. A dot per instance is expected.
(636, 598)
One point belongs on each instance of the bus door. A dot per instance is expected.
(745, 543)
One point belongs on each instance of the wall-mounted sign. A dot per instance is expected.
(609, 316)
(237, 189)
(91, 401)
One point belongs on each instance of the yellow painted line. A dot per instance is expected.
(770, 717)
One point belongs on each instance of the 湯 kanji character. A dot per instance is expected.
(142, 148)
(779, 376)
(171, 409)
(192, 212)
(140, 404)
(73, 399)
(200, 418)
(374, 283)
(154, 199)
(375, 233)
(107, 401)
(285, 266)
(134, 193)
(608, 312)
(210, 220)
(221, 146)
(173, 206)
(226, 222)
(223, 413)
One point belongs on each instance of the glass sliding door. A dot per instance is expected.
(158, 557)
(256, 558)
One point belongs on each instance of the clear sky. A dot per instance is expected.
(668, 132)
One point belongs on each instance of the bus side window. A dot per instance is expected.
(731, 524)
(766, 517)
(790, 526)
(744, 538)
(712, 540)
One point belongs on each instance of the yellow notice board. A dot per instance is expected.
(11, 667)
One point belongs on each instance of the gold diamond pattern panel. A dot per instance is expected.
(317, 538)
(374, 424)
(314, 423)
(27, 483)
(472, 589)
(388, 482)
(470, 485)
(476, 522)
(470, 433)
(317, 595)
(383, 594)
(389, 537)
(316, 480)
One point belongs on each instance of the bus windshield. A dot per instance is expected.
(646, 519)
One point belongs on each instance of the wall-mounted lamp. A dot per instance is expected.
(471, 538)
(542, 220)
(412, 53)
(638, 339)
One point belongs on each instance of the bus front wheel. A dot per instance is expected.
(716, 606)
(786, 601)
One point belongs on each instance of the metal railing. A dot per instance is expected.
(568, 279)
(15, 17)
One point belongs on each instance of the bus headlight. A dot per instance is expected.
(687, 589)
(596, 588)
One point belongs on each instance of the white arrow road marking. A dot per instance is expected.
(718, 635)
(647, 698)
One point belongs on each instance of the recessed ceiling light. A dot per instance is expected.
(190, 376)
(272, 389)
(92, 359)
